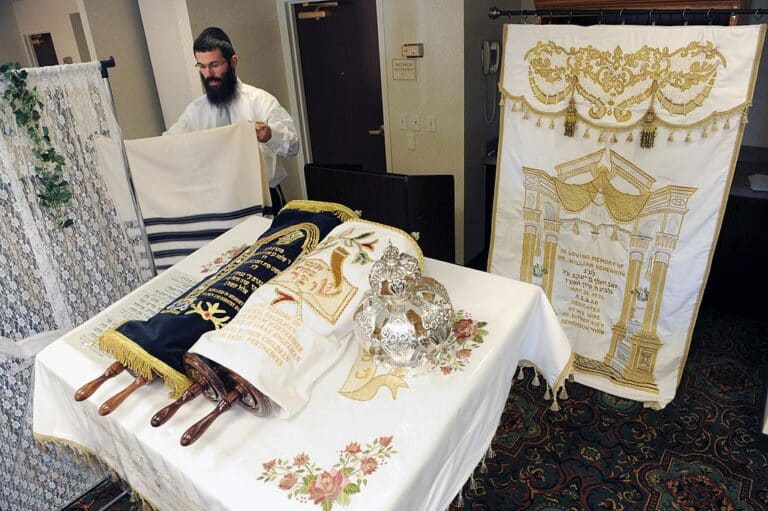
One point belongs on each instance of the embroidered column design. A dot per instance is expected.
(529, 244)
(551, 231)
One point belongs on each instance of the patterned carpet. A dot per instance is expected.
(703, 452)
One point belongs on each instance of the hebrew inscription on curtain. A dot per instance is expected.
(617, 150)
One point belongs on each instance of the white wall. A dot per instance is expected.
(11, 43)
(114, 28)
(40, 16)
(169, 39)
(438, 90)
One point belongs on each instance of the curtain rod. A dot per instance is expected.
(495, 12)
(106, 63)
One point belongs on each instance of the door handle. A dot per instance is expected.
(379, 131)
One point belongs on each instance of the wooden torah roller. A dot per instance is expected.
(113, 402)
(207, 380)
(89, 388)
(241, 391)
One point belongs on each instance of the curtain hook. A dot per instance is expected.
(651, 21)
(601, 17)
(685, 20)
(709, 18)
(758, 14)
(570, 15)
(621, 17)
(550, 18)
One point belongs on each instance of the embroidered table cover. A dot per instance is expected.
(617, 149)
(364, 440)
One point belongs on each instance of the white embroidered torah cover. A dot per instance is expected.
(617, 150)
(295, 327)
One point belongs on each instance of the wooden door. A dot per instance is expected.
(339, 52)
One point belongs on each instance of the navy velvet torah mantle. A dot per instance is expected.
(156, 346)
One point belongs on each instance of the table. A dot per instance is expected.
(410, 446)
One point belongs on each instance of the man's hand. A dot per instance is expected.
(263, 133)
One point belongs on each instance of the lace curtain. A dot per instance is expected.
(54, 279)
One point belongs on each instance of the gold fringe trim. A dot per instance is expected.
(132, 356)
(342, 212)
(527, 106)
(80, 452)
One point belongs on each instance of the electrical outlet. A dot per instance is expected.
(415, 122)
(403, 121)
(410, 139)
(430, 123)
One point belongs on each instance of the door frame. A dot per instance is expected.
(290, 44)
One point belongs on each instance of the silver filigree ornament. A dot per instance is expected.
(405, 319)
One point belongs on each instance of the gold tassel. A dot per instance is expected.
(535, 382)
(551, 124)
(575, 229)
(714, 126)
(614, 235)
(525, 115)
(601, 138)
(727, 124)
(704, 133)
(670, 138)
(613, 138)
(570, 119)
(586, 133)
(547, 397)
(629, 137)
(688, 137)
(744, 118)
(514, 106)
(538, 122)
(555, 407)
(563, 392)
(648, 131)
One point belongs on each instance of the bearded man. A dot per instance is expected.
(227, 100)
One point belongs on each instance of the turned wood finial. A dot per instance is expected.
(165, 413)
(112, 403)
(89, 388)
(197, 429)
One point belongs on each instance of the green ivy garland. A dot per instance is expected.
(55, 194)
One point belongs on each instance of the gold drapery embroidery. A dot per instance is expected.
(623, 207)
(612, 82)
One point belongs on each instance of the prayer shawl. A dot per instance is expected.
(294, 328)
(194, 186)
(617, 150)
(157, 345)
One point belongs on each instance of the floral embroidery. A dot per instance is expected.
(305, 481)
(468, 335)
(220, 260)
(209, 314)
(362, 242)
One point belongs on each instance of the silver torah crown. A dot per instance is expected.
(405, 319)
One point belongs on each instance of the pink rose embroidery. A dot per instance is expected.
(465, 329)
(288, 480)
(353, 448)
(368, 465)
(385, 441)
(327, 486)
(300, 460)
(268, 465)
(463, 353)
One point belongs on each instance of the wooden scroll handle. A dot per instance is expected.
(89, 388)
(112, 403)
(197, 429)
(165, 413)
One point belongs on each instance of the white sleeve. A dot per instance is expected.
(285, 140)
(183, 124)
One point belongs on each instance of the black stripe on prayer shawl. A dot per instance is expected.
(173, 253)
(207, 234)
(206, 217)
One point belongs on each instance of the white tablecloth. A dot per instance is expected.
(411, 448)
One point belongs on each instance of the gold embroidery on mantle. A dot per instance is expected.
(614, 81)
(648, 221)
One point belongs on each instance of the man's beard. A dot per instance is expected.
(225, 92)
